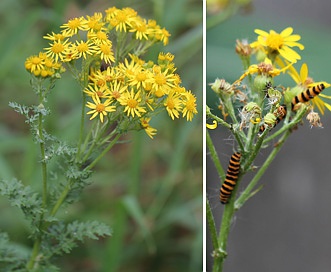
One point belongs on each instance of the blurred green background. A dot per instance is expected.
(286, 226)
(148, 191)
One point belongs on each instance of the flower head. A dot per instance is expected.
(276, 44)
(148, 129)
(99, 108)
(304, 82)
(131, 101)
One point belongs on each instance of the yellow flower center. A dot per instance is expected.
(190, 105)
(57, 48)
(100, 107)
(101, 83)
(275, 41)
(36, 60)
(121, 16)
(141, 77)
(102, 36)
(132, 103)
(74, 23)
(170, 104)
(83, 47)
(116, 94)
(99, 93)
(160, 79)
(105, 49)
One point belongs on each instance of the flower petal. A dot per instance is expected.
(286, 32)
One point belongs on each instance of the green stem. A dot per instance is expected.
(37, 243)
(214, 236)
(89, 167)
(81, 130)
(35, 252)
(218, 120)
(61, 198)
(239, 135)
(111, 144)
(43, 160)
(247, 192)
(255, 151)
(297, 119)
(228, 213)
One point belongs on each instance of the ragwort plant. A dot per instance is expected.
(258, 113)
(121, 92)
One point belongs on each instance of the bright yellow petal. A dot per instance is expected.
(286, 32)
(325, 96)
(328, 106)
(292, 44)
(289, 54)
(261, 32)
(319, 103)
(303, 72)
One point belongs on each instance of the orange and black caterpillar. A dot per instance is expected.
(308, 94)
(280, 114)
(231, 178)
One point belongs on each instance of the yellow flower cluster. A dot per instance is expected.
(119, 84)
(89, 36)
(139, 89)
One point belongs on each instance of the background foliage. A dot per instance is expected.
(148, 191)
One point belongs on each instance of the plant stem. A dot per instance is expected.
(89, 167)
(61, 198)
(43, 160)
(37, 243)
(224, 234)
(35, 251)
(247, 192)
(111, 144)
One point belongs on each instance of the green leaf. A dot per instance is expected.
(22, 197)
(62, 238)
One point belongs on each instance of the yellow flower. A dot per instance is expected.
(141, 29)
(116, 89)
(304, 81)
(82, 49)
(162, 82)
(140, 78)
(95, 90)
(173, 104)
(131, 101)
(58, 49)
(55, 36)
(264, 68)
(106, 54)
(101, 78)
(73, 26)
(93, 23)
(100, 37)
(148, 129)
(189, 106)
(41, 65)
(99, 108)
(34, 63)
(279, 44)
(121, 19)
